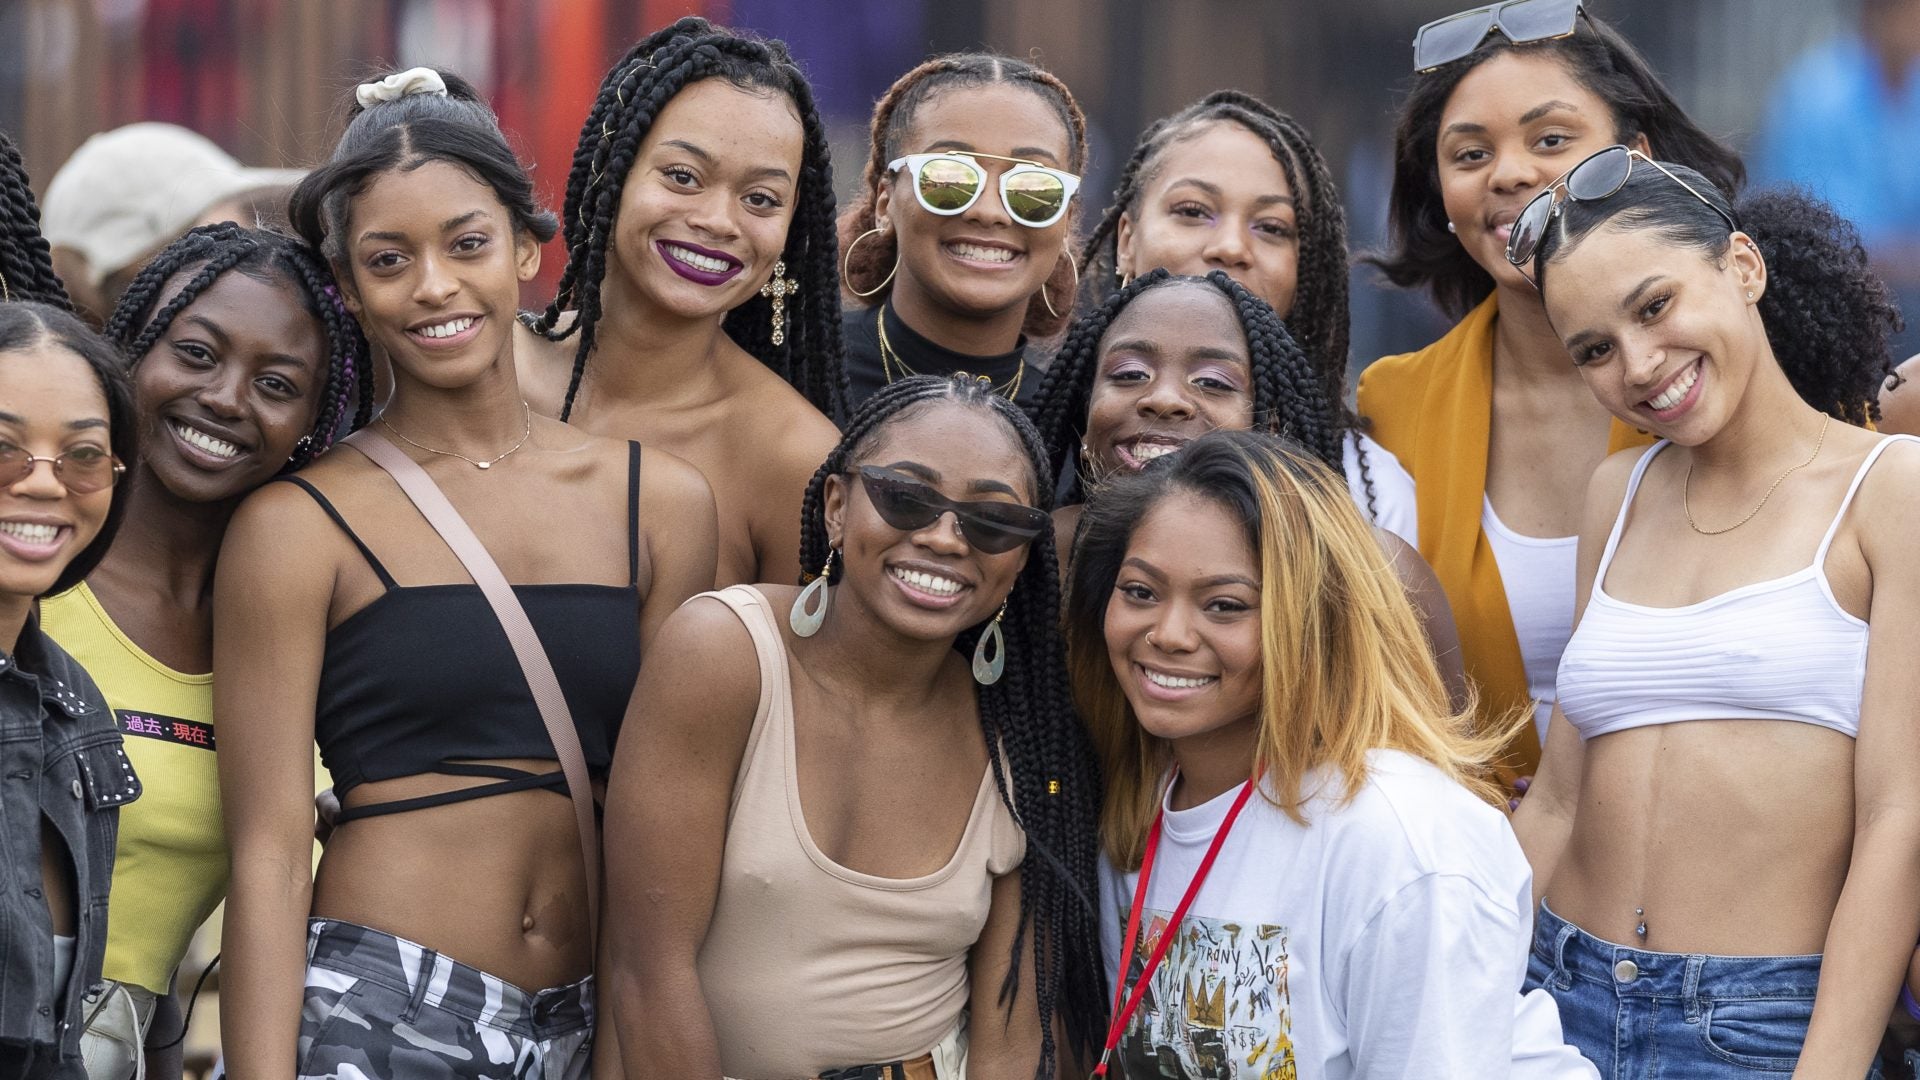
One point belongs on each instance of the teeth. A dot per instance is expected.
(1172, 682)
(939, 586)
(698, 261)
(446, 329)
(198, 438)
(1676, 393)
(982, 254)
(1144, 452)
(32, 534)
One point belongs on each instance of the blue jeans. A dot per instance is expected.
(1642, 1015)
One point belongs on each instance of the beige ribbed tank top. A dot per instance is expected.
(807, 965)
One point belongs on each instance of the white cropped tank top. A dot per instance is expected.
(1781, 649)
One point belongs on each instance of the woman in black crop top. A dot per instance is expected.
(453, 878)
(957, 249)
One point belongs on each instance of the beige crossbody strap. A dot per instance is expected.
(446, 521)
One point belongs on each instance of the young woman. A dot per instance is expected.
(1230, 183)
(341, 617)
(244, 365)
(1233, 631)
(959, 247)
(699, 310)
(1729, 795)
(834, 845)
(64, 404)
(1496, 429)
(26, 263)
(1167, 359)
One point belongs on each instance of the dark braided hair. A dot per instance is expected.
(873, 259)
(1423, 253)
(1828, 316)
(1289, 397)
(26, 263)
(1051, 782)
(631, 97)
(206, 253)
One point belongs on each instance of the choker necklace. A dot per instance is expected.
(483, 465)
(1688, 482)
(892, 367)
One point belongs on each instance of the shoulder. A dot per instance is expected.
(1394, 503)
(1608, 487)
(1890, 496)
(668, 480)
(1410, 820)
(705, 642)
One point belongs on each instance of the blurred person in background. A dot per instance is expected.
(129, 192)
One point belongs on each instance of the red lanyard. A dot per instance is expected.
(1122, 1014)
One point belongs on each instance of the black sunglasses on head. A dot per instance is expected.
(1598, 176)
(909, 505)
(1443, 41)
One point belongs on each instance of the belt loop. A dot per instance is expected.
(1562, 977)
(429, 962)
(1690, 987)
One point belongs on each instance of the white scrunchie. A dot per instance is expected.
(420, 80)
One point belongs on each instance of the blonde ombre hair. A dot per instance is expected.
(1345, 668)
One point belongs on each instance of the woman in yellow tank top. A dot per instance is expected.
(245, 365)
(1492, 421)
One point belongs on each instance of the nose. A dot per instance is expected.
(222, 393)
(1175, 631)
(1517, 171)
(39, 482)
(942, 535)
(1166, 398)
(436, 284)
(712, 214)
(1644, 360)
(1227, 247)
(987, 209)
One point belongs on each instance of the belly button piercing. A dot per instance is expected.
(1641, 930)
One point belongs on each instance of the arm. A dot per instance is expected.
(1869, 941)
(1436, 615)
(682, 538)
(666, 831)
(776, 527)
(270, 620)
(1004, 1040)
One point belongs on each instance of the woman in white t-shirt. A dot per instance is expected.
(1234, 626)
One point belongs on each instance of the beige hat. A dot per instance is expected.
(130, 191)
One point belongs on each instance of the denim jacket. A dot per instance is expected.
(61, 761)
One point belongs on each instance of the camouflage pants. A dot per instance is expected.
(379, 1008)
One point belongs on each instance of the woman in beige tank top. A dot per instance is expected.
(814, 858)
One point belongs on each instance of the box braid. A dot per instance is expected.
(631, 97)
(893, 119)
(202, 256)
(1289, 398)
(26, 263)
(1051, 782)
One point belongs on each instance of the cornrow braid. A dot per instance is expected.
(631, 97)
(870, 262)
(207, 253)
(1289, 398)
(26, 263)
(1050, 782)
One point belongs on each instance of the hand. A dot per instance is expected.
(1520, 787)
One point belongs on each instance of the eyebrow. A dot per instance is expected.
(1228, 579)
(445, 226)
(696, 151)
(72, 425)
(211, 327)
(1639, 290)
(1214, 190)
(1546, 107)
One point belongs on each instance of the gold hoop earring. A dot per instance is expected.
(846, 261)
(1066, 250)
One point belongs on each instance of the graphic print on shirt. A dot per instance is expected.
(1217, 1008)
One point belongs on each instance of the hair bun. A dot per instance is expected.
(419, 80)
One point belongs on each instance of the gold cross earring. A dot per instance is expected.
(777, 289)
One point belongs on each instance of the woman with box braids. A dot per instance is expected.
(701, 279)
(927, 525)
(26, 263)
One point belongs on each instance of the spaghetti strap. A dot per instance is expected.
(1620, 522)
(386, 579)
(1833, 529)
(633, 513)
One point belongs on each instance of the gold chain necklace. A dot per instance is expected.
(890, 362)
(487, 464)
(1688, 483)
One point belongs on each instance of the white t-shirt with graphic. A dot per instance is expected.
(1387, 938)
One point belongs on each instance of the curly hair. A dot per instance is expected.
(1318, 318)
(631, 97)
(1423, 254)
(1828, 316)
(870, 262)
(1289, 397)
(26, 262)
(207, 253)
(1050, 782)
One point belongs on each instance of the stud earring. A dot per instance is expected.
(1451, 229)
(987, 672)
(1749, 294)
(846, 261)
(777, 289)
(807, 623)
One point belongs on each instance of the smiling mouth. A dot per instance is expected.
(1677, 390)
(1135, 454)
(33, 541)
(446, 329)
(931, 584)
(205, 443)
(1177, 682)
(981, 253)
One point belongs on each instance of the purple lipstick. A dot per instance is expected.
(702, 266)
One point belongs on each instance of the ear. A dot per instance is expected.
(349, 292)
(833, 502)
(882, 203)
(1639, 142)
(526, 255)
(1748, 266)
(1123, 245)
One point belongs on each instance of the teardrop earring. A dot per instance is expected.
(806, 623)
(987, 672)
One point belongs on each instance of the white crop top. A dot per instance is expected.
(1537, 573)
(1781, 649)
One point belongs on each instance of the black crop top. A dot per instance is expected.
(423, 680)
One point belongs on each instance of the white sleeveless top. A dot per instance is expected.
(1781, 649)
(1537, 573)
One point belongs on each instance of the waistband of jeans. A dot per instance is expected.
(446, 984)
(1571, 951)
